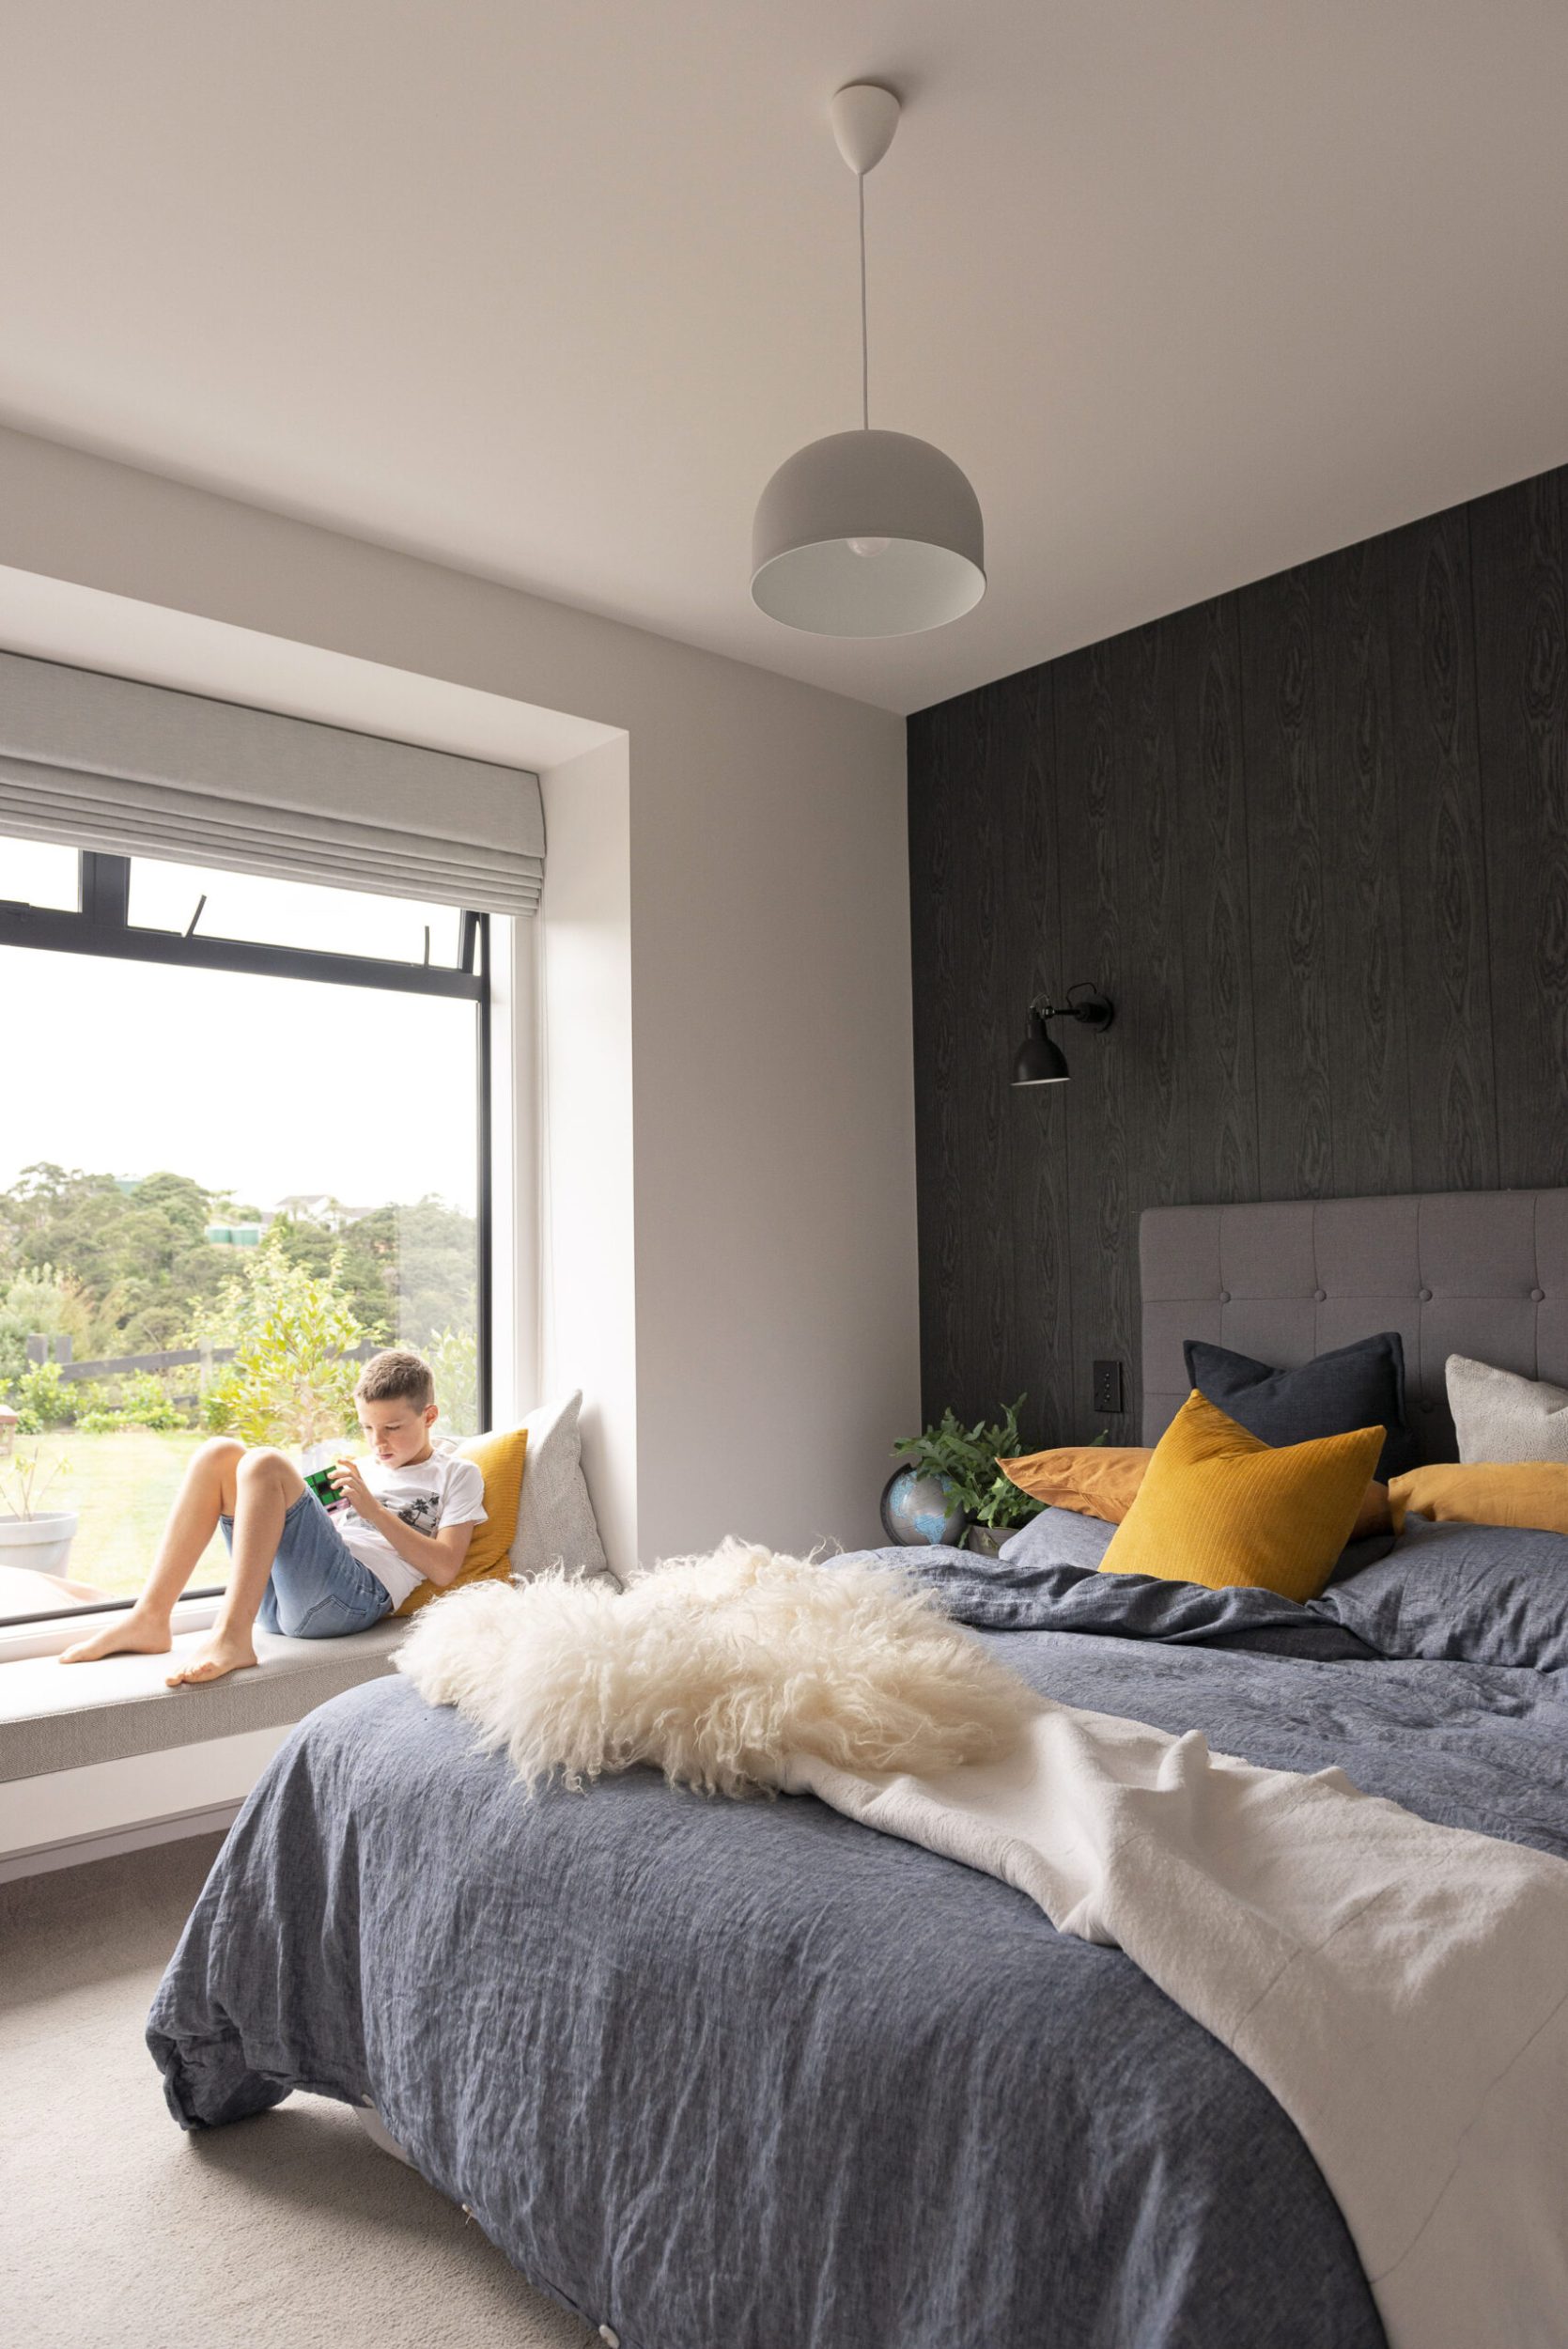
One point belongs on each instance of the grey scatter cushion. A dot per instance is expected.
(1359, 1385)
(1467, 1594)
(1058, 1538)
(1499, 1416)
(556, 1526)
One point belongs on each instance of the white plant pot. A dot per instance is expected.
(40, 1543)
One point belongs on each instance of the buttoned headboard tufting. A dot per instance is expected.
(1478, 1272)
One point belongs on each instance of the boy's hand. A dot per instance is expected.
(350, 1486)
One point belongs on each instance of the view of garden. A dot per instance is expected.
(274, 1309)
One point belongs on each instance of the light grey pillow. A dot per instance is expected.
(556, 1525)
(1058, 1538)
(1499, 1416)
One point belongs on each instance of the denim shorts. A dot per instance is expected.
(318, 1589)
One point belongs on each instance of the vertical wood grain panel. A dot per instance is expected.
(1516, 541)
(1096, 1108)
(1038, 1359)
(968, 884)
(1314, 838)
(1150, 1032)
(1442, 857)
(1222, 1158)
(1369, 1070)
(1284, 854)
(988, 1237)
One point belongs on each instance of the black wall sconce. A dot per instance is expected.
(1039, 1062)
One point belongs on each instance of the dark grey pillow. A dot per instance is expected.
(1362, 1385)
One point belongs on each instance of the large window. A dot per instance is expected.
(243, 1141)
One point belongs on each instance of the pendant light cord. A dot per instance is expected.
(865, 339)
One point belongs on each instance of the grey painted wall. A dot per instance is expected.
(1313, 838)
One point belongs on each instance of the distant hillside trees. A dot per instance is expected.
(137, 1258)
(126, 1268)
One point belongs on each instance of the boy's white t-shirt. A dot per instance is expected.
(446, 1489)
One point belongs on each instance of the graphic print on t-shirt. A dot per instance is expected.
(423, 1513)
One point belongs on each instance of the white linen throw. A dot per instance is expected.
(1401, 1988)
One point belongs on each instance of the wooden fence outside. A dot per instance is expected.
(171, 1358)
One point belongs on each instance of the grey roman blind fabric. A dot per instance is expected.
(133, 770)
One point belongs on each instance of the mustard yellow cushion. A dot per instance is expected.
(1099, 1480)
(1220, 1507)
(1488, 1492)
(501, 1460)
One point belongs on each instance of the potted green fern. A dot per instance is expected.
(960, 1463)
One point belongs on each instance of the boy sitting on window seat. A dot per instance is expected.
(406, 1517)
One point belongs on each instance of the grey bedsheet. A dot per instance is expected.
(748, 2077)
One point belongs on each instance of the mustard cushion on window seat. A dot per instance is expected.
(501, 1460)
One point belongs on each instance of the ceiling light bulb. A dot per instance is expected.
(868, 546)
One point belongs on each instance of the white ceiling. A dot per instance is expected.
(546, 288)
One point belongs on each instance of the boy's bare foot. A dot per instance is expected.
(135, 1634)
(213, 1660)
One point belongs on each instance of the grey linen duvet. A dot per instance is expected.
(732, 2075)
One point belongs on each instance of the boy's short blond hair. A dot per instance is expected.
(396, 1376)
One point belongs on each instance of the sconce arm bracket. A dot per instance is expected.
(1094, 1010)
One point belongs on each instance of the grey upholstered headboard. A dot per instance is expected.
(1478, 1272)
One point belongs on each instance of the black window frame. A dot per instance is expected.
(102, 926)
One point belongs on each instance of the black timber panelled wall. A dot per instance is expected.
(1313, 838)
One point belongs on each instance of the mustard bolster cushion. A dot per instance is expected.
(1222, 1507)
(1488, 1492)
(500, 1460)
(1095, 1480)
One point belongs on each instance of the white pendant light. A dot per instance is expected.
(867, 534)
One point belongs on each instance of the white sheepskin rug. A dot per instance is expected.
(715, 1670)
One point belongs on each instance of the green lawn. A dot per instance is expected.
(121, 1485)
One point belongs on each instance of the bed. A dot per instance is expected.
(747, 2073)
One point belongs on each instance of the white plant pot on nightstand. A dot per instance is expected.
(40, 1543)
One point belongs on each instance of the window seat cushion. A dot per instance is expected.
(64, 1717)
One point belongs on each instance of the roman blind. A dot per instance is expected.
(133, 770)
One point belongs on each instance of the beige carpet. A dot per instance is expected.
(119, 2231)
